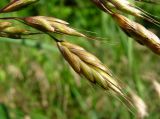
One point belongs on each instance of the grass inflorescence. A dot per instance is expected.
(82, 62)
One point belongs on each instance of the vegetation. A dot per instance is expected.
(35, 81)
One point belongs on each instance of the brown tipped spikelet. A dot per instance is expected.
(126, 7)
(50, 24)
(89, 66)
(139, 104)
(139, 33)
(15, 5)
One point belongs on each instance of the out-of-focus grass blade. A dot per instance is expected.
(38, 115)
(3, 112)
(149, 1)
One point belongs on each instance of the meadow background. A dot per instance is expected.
(36, 82)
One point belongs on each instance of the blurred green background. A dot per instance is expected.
(36, 82)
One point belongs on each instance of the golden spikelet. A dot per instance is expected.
(139, 104)
(138, 32)
(4, 25)
(10, 31)
(89, 66)
(156, 86)
(15, 5)
(126, 7)
(15, 30)
(51, 24)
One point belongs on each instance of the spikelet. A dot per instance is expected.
(51, 24)
(89, 66)
(14, 30)
(156, 86)
(10, 31)
(15, 5)
(139, 33)
(126, 7)
(4, 25)
(139, 104)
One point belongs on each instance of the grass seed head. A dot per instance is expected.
(12, 31)
(15, 5)
(4, 25)
(89, 66)
(139, 33)
(126, 7)
(156, 86)
(50, 24)
(15, 30)
(140, 105)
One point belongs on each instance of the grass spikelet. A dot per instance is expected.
(16, 5)
(51, 24)
(10, 31)
(156, 86)
(139, 33)
(4, 25)
(126, 7)
(89, 66)
(140, 105)
(14, 30)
